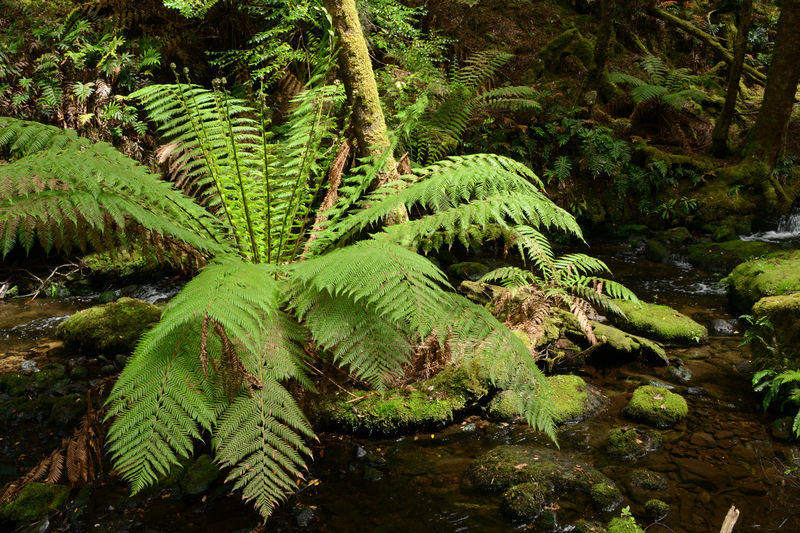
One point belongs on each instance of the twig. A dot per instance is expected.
(730, 520)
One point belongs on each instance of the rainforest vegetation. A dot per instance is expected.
(392, 218)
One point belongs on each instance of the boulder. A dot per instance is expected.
(773, 275)
(632, 443)
(656, 509)
(430, 403)
(783, 312)
(109, 328)
(573, 400)
(724, 256)
(660, 323)
(34, 501)
(656, 406)
(647, 480)
(508, 466)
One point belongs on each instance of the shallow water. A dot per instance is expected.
(721, 455)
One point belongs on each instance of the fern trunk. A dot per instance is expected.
(719, 138)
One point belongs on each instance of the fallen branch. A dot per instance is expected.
(694, 31)
(730, 520)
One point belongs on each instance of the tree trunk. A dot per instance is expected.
(597, 77)
(768, 137)
(356, 72)
(719, 138)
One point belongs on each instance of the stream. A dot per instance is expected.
(723, 453)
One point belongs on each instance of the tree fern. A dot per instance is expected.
(67, 191)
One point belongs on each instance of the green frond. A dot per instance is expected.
(645, 93)
(364, 303)
(517, 98)
(58, 187)
(174, 385)
(621, 77)
(480, 67)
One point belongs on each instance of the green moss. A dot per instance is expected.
(432, 402)
(111, 328)
(526, 500)
(783, 312)
(657, 406)
(660, 323)
(479, 292)
(645, 479)
(724, 256)
(631, 443)
(572, 400)
(588, 526)
(656, 251)
(772, 275)
(469, 270)
(677, 235)
(121, 263)
(605, 496)
(656, 509)
(14, 384)
(34, 501)
(570, 42)
(507, 466)
(624, 525)
(620, 341)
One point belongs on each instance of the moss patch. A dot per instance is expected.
(111, 328)
(573, 400)
(661, 323)
(631, 443)
(772, 275)
(526, 500)
(433, 402)
(724, 256)
(656, 509)
(508, 466)
(605, 496)
(34, 501)
(645, 479)
(620, 341)
(657, 406)
(784, 313)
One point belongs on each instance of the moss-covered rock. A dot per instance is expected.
(507, 466)
(620, 341)
(660, 323)
(14, 384)
(34, 501)
(200, 475)
(573, 400)
(783, 312)
(109, 328)
(656, 406)
(724, 256)
(468, 270)
(480, 292)
(656, 251)
(605, 496)
(429, 403)
(656, 509)
(677, 235)
(121, 264)
(647, 480)
(526, 500)
(631, 443)
(772, 275)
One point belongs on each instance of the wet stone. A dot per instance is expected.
(656, 509)
(723, 327)
(681, 373)
(702, 440)
(696, 391)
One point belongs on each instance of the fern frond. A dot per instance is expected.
(645, 93)
(166, 394)
(380, 294)
(59, 186)
(518, 98)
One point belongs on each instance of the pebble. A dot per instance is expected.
(29, 367)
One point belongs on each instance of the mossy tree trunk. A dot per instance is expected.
(597, 77)
(355, 69)
(719, 138)
(768, 136)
